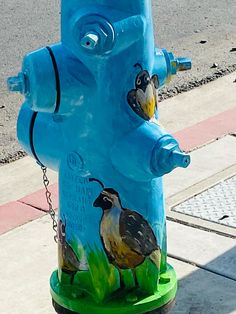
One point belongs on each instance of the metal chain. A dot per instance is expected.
(48, 194)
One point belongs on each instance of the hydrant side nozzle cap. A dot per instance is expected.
(176, 64)
(168, 156)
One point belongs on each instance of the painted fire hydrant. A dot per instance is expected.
(91, 113)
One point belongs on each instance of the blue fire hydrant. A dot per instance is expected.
(91, 113)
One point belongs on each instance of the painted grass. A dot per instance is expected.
(104, 276)
(147, 277)
(102, 280)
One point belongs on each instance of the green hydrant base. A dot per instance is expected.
(125, 302)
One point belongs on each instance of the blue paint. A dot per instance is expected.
(76, 118)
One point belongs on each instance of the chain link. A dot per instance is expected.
(48, 195)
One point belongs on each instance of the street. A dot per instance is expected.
(204, 31)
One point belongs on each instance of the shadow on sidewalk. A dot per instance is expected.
(204, 292)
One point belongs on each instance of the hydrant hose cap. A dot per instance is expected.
(174, 64)
(38, 67)
(37, 81)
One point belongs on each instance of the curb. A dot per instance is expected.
(33, 206)
(207, 131)
(26, 209)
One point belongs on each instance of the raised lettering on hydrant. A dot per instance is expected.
(91, 113)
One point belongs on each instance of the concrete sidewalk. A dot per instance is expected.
(29, 255)
(203, 252)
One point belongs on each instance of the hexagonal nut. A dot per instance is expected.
(99, 30)
(90, 40)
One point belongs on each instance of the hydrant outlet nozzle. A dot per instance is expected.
(180, 159)
(183, 64)
(17, 83)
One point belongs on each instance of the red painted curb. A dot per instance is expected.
(38, 199)
(34, 205)
(207, 131)
(15, 214)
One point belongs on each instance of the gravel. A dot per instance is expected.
(168, 92)
(180, 26)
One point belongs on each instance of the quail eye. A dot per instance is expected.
(63, 230)
(139, 81)
(106, 199)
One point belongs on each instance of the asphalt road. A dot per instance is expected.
(180, 26)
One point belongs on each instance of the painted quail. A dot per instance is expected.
(68, 261)
(127, 237)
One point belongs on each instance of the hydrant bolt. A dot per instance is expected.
(90, 41)
(96, 38)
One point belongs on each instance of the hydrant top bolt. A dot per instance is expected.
(90, 41)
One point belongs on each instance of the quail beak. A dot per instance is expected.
(99, 201)
(96, 203)
(149, 108)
